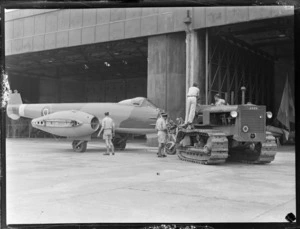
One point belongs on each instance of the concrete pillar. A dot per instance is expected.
(175, 62)
(195, 59)
(166, 73)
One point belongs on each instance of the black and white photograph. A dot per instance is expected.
(150, 114)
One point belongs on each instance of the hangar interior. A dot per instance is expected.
(104, 72)
(258, 55)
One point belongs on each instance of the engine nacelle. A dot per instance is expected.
(72, 123)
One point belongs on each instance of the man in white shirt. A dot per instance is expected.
(161, 127)
(109, 132)
(219, 101)
(191, 102)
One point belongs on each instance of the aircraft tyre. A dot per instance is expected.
(79, 148)
(119, 142)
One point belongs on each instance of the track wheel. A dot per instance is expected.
(79, 146)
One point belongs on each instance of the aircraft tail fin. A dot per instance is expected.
(14, 101)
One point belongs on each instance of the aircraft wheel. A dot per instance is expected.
(81, 147)
(119, 143)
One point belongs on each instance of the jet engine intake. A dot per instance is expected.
(72, 123)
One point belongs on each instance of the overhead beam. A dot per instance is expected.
(246, 46)
(272, 42)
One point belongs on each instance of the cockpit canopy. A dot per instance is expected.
(138, 101)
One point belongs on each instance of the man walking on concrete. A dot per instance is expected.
(191, 102)
(109, 132)
(161, 127)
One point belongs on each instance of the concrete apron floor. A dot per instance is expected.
(49, 183)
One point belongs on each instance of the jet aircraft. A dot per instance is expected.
(78, 121)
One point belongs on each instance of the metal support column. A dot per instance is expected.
(206, 67)
(188, 42)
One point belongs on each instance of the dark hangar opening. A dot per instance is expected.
(104, 72)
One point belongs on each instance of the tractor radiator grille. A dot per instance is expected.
(251, 118)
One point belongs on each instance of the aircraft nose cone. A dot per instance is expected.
(33, 122)
(37, 122)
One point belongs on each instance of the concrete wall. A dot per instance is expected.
(204, 17)
(166, 73)
(31, 30)
(37, 30)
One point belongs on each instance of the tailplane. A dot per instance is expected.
(14, 102)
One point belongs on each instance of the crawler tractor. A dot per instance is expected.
(226, 132)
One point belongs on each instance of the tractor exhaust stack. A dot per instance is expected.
(243, 95)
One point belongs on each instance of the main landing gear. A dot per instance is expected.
(119, 141)
(79, 146)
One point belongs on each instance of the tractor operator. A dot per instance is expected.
(109, 132)
(219, 101)
(191, 102)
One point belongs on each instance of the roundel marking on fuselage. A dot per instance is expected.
(45, 111)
